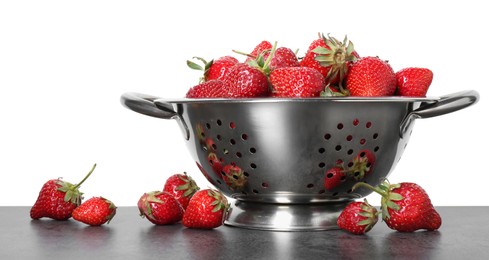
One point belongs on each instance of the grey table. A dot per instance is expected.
(464, 234)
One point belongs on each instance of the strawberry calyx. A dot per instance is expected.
(384, 189)
(205, 69)
(337, 55)
(72, 192)
(112, 207)
(190, 186)
(264, 64)
(370, 213)
(331, 91)
(150, 198)
(220, 202)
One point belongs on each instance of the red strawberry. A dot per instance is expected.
(214, 69)
(413, 82)
(206, 210)
(208, 89)
(334, 177)
(371, 76)
(296, 82)
(406, 207)
(182, 187)
(363, 164)
(283, 57)
(357, 217)
(160, 208)
(259, 49)
(331, 58)
(244, 81)
(57, 199)
(95, 211)
(234, 177)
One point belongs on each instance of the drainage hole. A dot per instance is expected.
(310, 185)
(321, 165)
(349, 138)
(321, 150)
(350, 152)
(375, 136)
(244, 136)
(232, 125)
(238, 154)
(219, 122)
(253, 166)
(208, 126)
(339, 126)
(376, 148)
(338, 147)
(255, 191)
(327, 136)
(232, 141)
(252, 150)
(264, 185)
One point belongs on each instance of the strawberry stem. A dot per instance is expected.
(370, 187)
(86, 177)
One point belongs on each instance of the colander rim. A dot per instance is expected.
(298, 100)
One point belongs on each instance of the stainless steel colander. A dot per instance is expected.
(271, 154)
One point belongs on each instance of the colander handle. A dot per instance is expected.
(446, 104)
(145, 105)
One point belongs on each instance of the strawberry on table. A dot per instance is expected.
(206, 210)
(95, 211)
(406, 207)
(358, 217)
(371, 76)
(57, 199)
(182, 187)
(296, 82)
(160, 208)
(413, 82)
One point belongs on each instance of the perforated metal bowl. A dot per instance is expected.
(271, 154)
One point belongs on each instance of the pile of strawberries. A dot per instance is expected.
(329, 68)
(405, 207)
(61, 200)
(180, 200)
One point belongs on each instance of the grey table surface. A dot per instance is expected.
(464, 234)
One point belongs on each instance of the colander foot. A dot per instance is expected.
(285, 217)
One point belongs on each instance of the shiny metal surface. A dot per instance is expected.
(284, 146)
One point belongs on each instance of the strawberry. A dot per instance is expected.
(334, 177)
(283, 57)
(296, 82)
(234, 177)
(95, 211)
(363, 164)
(406, 207)
(57, 199)
(245, 81)
(160, 208)
(261, 48)
(214, 69)
(206, 210)
(331, 58)
(371, 76)
(208, 89)
(358, 217)
(182, 187)
(413, 82)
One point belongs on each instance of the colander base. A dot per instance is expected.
(285, 217)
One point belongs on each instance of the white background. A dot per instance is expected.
(64, 65)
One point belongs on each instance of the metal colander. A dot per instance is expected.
(271, 154)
